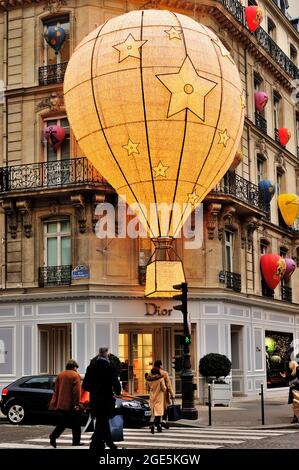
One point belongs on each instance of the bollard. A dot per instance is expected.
(262, 403)
(210, 404)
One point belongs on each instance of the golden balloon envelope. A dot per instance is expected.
(289, 207)
(156, 103)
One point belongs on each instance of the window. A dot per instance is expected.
(283, 252)
(271, 29)
(260, 169)
(228, 251)
(50, 58)
(37, 382)
(57, 243)
(63, 152)
(264, 247)
(257, 79)
(293, 54)
(276, 110)
(297, 130)
(279, 182)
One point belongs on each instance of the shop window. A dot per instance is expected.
(50, 58)
(57, 243)
(278, 351)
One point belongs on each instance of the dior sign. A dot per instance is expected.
(154, 310)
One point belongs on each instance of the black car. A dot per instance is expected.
(30, 396)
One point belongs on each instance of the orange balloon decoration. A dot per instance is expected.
(289, 207)
(273, 268)
(284, 136)
(254, 16)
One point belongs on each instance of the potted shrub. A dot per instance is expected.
(215, 368)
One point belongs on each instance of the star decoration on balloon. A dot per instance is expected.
(129, 48)
(223, 50)
(131, 147)
(160, 170)
(193, 198)
(173, 33)
(224, 137)
(188, 90)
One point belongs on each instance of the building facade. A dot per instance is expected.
(63, 291)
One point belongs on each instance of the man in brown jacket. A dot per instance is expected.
(66, 401)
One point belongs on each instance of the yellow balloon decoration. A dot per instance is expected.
(156, 103)
(289, 207)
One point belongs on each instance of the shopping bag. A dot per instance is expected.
(117, 428)
(174, 412)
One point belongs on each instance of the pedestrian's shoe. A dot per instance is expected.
(152, 428)
(52, 441)
(112, 446)
(159, 428)
(294, 420)
(165, 425)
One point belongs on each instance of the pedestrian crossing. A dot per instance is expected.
(173, 438)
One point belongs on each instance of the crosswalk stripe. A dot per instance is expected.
(156, 445)
(185, 435)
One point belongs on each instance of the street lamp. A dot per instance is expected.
(188, 409)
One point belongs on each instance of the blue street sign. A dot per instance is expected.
(80, 272)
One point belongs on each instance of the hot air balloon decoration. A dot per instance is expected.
(289, 207)
(54, 135)
(290, 268)
(267, 191)
(237, 160)
(55, 37)
(261, 99)
(273, 268)
(152, 110)
(254, 16)
(284, 136)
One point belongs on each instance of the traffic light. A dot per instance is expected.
(183, 307)
(177, 363)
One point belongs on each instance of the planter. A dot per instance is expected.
(220, 394)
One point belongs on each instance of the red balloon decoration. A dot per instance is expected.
(273, 268)
(284, 136)
(261, 99)
(54, 135)
(254, 16)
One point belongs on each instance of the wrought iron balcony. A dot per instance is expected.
(276, 136)
(51, 74)
(233, 281)
(266, 291)
(261, 122)
(240, 188)
(59, 173)
(50, 276)
(286, 293)
(263, 39)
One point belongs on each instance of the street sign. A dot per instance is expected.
(80, 272)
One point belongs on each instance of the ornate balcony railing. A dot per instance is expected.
(263, 38)
(266, 291)
(240, 188)
(286, 293)
(59, 173)
(50, 74)
(233, 281)
(49, 276)
(276, 135)
(261, 122)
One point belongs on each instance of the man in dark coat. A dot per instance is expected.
(101, 381)
(66, 402)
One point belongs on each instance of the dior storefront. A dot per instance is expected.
(38, 337)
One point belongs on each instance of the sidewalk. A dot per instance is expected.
(246, 411)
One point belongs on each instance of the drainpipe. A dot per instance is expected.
(4, 148)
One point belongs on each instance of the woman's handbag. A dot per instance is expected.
(174, 412)
(117, 428)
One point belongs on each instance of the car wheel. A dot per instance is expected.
(16, 413)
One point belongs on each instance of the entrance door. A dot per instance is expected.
(54, 348)
(237, 359)
(136, 355)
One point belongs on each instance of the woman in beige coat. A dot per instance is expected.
(157, 389)
(169, 393)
